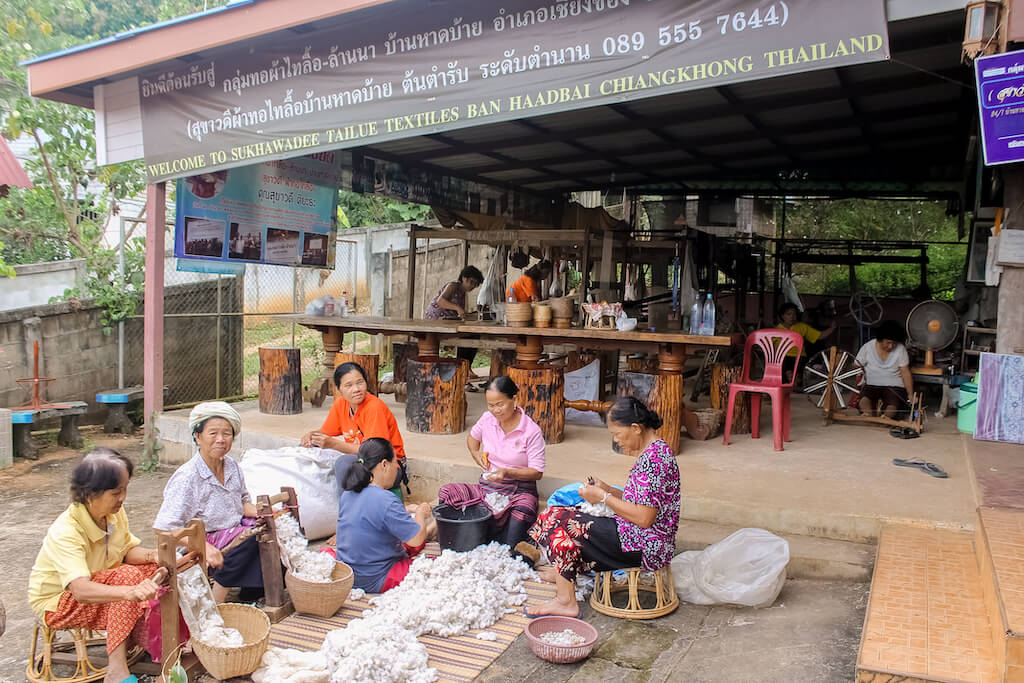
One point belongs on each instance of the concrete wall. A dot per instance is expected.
(83, 360)
(433, 269)
(35, 283)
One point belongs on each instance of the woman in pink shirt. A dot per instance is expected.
(509, 448)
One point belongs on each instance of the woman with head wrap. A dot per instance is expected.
(91, 571)
(211, 487)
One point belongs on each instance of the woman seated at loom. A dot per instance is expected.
(91, 571)
(642, 531)
(509, 448)
(211, 487)
(528, 286)
(378, 536)
(887, 378)
(358, 415)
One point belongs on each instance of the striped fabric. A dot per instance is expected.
(459, 659)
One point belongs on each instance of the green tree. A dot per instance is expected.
(359, 210)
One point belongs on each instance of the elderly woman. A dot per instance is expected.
(91, 571)
(509, 447)
(642, 531)
(355, 416)
(211, 487)
(887, 378)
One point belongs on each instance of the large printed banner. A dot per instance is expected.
(281, 212)
(1001, 106)
(407, 68)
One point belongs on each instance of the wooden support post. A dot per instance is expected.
(436, 401)
(528, 352)
(411, 273)
(501, 361)
(429, 345)
(153, 312)
(278, 606)
(721, 377)
(194, 536)
(585, 265)
(542, 397)
(662, 392)
(401, 353)
(370, 362)
(280, 388)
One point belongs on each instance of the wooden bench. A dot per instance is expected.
(117, 402)
(68, 412)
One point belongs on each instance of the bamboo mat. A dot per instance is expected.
(458, 659)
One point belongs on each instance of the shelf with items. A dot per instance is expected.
(972, 349)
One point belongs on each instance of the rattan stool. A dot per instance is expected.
(40, 666)
(664, 589)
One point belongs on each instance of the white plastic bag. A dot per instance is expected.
(746, 568)
(309, 470)
(583, 384)
(491, 290)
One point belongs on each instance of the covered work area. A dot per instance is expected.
(649, 165)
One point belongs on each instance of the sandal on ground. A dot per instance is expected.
(926, 467)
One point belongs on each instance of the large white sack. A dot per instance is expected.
(746, 568)
(583, 384)
(309, 470)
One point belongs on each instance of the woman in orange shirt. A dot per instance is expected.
(355, 416)
(527, 287)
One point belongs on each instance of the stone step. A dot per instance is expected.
(809, 557)
(926, 617)
(999, 538)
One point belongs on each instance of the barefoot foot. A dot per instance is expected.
(547, 574)
(553, 608)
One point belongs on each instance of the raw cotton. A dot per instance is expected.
(303, 563)
(281, 665)
(496, 501)
(446, 596)
(566, 638)
(200, 611)
(487, 635)
(356, 594)
(595, 509)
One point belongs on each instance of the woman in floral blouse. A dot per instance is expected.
(641, 533)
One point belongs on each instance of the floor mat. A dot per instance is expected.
(457, 659)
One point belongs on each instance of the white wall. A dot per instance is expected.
(35, 283)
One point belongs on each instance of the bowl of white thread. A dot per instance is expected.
(562, 640)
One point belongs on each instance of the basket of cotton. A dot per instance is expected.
(561, 640)
(227, 661)
(321, 598)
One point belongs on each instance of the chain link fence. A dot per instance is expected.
(214, 325)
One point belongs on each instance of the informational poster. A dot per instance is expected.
(1001, 106)
(280, 212)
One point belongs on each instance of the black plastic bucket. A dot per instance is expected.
(461, 530)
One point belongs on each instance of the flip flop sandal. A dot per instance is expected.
(903, 433)
(908, 462)
(934, 470)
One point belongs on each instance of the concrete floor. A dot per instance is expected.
(835, 481)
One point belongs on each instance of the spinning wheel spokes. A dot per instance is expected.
(842, 379)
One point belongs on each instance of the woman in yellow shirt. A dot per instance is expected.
(789, 314)
(91, 571)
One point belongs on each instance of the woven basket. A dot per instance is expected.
(712, 418)
(563, 306)
(560, 654)
(224, 662)
(519, 313)
(320, 599)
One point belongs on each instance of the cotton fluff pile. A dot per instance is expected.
(446, 596)
(456, 592)
(305, 564)
(595, 509)
(566, 638)
(200, 611)
(496, 501)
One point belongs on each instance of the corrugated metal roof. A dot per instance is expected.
(11, 172)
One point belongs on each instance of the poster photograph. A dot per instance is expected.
(314, 250)
(245, 241)
(283, 246)
(204, 237)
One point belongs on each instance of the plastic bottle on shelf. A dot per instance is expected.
(707, 319)
(343, 305)
(695, 316)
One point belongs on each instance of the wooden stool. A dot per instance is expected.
(40, 666)
(369, 362)
(664, 589)
(280, 388)
(542, 397)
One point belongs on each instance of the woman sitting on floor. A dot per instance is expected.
(509, 448)
(377, 536)
(211, 487)
(643, 530)
(358, 415)
(91, 571)
(887, 378)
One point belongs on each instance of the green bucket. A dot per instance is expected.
(967, 412)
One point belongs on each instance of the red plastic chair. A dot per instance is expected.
(775, 344)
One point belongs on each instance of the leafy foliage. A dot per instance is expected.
(358, 210)
(857, 219)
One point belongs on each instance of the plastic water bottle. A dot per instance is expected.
(707, 319)
(343, 310)
(695, 317)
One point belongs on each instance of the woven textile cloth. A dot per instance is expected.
(1000, 398)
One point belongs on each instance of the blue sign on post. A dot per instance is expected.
(280, 212)
(1001, 106)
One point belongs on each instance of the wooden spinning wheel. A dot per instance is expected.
(835, 377)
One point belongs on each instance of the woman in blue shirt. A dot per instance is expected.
(377, 535)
